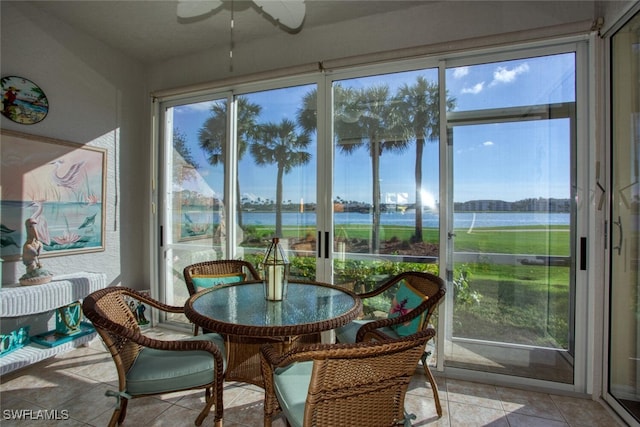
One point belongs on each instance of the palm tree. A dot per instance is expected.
(213, 136)
(363, 118)
(419, 115)
(279, 144)
(360, 118)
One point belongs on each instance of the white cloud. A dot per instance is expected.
(487, 143)
(476, 89)
(200, 106)
(505, 75)
(460, 72)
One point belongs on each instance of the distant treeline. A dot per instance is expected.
(525, 205)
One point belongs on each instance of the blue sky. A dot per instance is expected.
(508, 161)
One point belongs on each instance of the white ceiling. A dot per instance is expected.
(150, 31)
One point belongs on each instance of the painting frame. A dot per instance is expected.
(61, 185)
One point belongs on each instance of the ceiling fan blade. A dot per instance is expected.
(289, 13)
(193, 8)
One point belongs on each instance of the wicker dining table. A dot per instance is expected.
(240, 313)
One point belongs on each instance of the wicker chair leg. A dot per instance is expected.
(114, 421)
(205, 411)
(195, 330)
(434, 386)
(124, 403)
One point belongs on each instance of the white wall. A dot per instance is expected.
(426, 23)
(96, 97)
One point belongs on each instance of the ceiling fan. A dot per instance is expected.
(289, 14)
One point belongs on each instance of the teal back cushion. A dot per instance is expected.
(207, 281)
(406, 299)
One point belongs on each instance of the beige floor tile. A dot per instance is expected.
(473, 394)
(97, 366)
(424, 409)
(583, 412)
(529, 403)
(86, 405)
(520, 420)
(246, 408)
(421, 385)
(179, 416)
(140, 412)
(190, 399)
(467, 415)
(61, 388)
(76, 382)
(36, 419)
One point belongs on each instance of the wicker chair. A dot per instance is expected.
(430, 286)
(225, 269)
(362, 384)
(147, 366)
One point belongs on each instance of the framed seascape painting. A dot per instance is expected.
(60, 185)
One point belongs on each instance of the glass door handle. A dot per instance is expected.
(619, 224)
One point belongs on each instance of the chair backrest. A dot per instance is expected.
(363, 384)
(110, 314)
(221, 268)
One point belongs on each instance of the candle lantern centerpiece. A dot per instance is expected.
(275, 270)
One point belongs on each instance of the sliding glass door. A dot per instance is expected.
(192, 216)
(465, 168)
(512, 141)
(239, 170)
(277, 167)
(385, 177)
(624, 319)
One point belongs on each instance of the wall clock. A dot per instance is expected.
(23, 101)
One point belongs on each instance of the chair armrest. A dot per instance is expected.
(380, 289)
(391, 321)
(386, 285)
(157, 304)
(145, 341)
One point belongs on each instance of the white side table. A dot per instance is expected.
(16, 300)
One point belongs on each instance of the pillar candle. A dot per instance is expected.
(274, 284)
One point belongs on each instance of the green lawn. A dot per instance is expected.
(513, 240)
(524, 304)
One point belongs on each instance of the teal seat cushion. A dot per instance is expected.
(160, 371)
(291, 386)
(348, 332)
(208, 281)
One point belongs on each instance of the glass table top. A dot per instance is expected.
(245, 304)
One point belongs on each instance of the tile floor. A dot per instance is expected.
(76, 382)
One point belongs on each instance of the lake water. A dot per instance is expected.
(429, 220)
